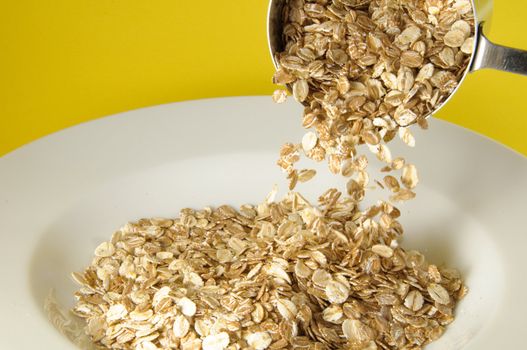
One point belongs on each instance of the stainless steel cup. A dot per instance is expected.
(486, 53)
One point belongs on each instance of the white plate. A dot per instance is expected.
(62, 195)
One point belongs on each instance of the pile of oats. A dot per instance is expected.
(280, 275)
(288, 274)
(367, 69)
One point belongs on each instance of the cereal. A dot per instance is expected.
(279, 96)
(468, 46)
(288, 274)
(325, 277)
(363, 69)
(259, 340)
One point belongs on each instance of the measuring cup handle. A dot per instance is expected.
(490, 55)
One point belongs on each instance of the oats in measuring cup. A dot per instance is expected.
(364, 69)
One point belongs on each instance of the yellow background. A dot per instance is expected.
(63, 62)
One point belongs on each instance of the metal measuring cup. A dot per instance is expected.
(486, 54)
